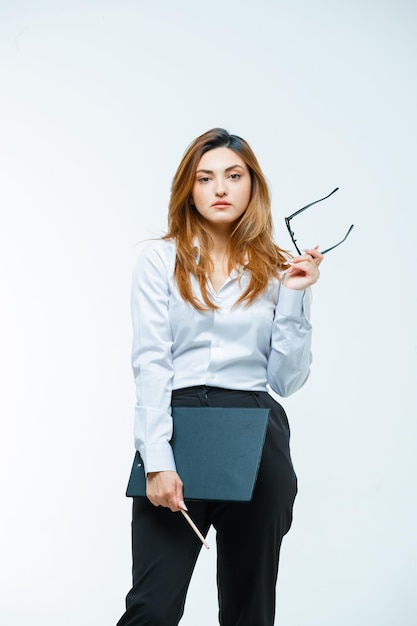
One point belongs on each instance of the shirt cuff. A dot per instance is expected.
(159, 458)
(293, 302)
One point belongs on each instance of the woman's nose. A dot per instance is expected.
(221, 189)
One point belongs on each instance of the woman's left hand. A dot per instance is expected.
(304, 270)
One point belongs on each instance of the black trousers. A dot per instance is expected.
(249, 535)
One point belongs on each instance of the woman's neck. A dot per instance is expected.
(220, 237)
(219, 255)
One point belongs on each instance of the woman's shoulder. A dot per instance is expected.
(156, 251)
(161, 246)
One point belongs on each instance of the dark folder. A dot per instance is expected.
(217, 452)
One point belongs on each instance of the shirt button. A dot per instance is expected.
(217, 344)
(212, 376)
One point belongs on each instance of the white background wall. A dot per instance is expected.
(98, 102)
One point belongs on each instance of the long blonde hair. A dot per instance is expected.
(250, 245)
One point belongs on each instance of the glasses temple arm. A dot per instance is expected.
(311, 204)
(338, 244)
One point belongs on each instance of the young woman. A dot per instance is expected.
(220, 314)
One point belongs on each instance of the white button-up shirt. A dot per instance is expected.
(234, 347)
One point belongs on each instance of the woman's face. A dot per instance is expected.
(222, 188)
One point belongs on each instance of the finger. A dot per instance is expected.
(176, 501)
(306, 266)
(172, 504)
(309, 273)
(301, 258)
(172, 496)
(316, 254)
(307, 263)
(180, 500)
(167, 500)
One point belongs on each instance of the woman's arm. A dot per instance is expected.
(290, 357)
(153, 372)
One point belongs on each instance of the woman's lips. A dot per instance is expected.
(221, 203)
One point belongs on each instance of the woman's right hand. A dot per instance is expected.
(165, 489)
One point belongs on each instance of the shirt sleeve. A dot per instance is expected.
(152, 360)
(290, 357)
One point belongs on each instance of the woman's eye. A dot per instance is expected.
(204, 179)
(235, 176)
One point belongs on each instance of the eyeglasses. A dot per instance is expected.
(292, 234)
